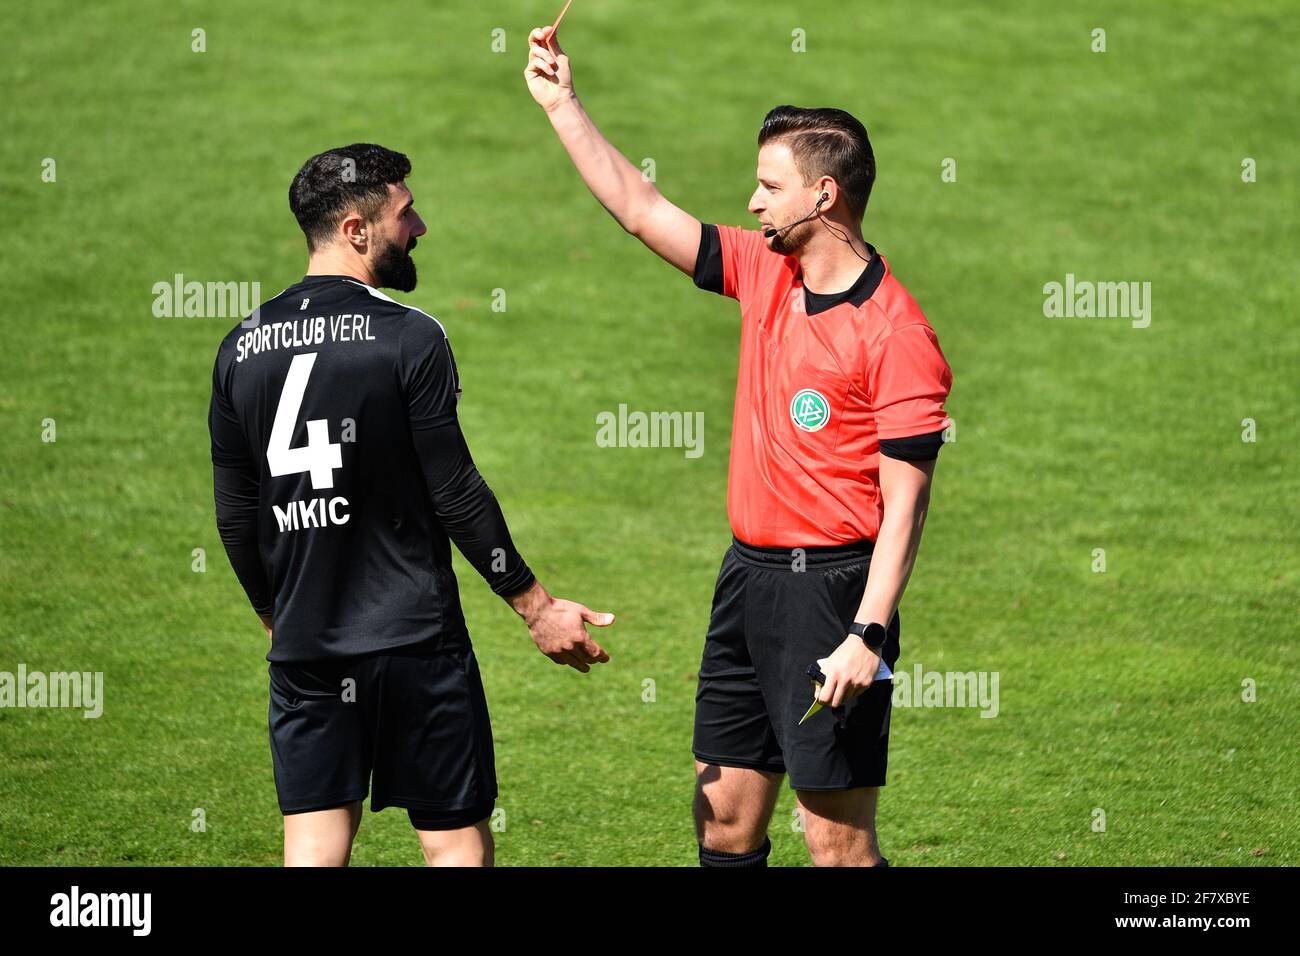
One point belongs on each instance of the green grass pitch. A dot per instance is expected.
(1120, 691)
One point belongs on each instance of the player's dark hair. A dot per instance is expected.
(826, 142)
(338, 181)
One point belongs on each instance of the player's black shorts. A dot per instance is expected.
(415, 716)
(769, 622)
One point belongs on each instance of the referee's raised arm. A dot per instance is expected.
(630, 198)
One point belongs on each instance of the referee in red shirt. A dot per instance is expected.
(838, 423)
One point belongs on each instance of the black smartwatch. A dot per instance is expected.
(873, 635)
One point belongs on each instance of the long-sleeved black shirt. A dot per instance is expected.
(341, 475)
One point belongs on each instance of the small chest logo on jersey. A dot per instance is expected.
(809, 410)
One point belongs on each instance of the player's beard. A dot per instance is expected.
(792, 241)
(394, 268)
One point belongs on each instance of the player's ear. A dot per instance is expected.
(355, 231)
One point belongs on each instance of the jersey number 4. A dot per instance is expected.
(319, 456)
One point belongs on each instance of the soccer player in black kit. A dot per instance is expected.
(341, 476)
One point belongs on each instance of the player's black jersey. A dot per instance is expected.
(339, 472)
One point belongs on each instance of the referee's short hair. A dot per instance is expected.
(341, 180)
(826, 142)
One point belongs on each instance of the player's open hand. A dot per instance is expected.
(558, 627)
(548, 75)
(560, 634)
(849, 672)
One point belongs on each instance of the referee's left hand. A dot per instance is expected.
(849, 672)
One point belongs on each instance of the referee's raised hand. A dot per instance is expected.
(548, 75)
(557, 627)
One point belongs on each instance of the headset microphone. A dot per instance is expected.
(770, 232)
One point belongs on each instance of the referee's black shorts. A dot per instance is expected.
(415, 716)
(770, 620)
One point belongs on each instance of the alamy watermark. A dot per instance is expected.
(637, 429)
(947, 689)
(75, 908)
(76, 689)
(192, 299)
(1084, 299)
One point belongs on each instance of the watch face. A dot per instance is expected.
(874, 636)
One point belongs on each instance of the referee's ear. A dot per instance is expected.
(830, 189)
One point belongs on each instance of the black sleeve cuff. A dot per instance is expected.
(708, 261)
(913, 447)
(517, 583)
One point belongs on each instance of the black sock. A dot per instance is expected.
(757, 857)
(883, 862)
